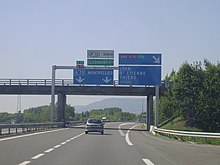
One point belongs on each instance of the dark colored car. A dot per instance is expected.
(94, 125)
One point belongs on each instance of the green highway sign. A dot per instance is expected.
(105, 62)
(79, 62)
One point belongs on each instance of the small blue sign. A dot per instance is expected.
(93, 76)
(139, 59)
(140, 75)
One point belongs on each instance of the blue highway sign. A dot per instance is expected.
(139, 59)
(93, 76)
(140, 75)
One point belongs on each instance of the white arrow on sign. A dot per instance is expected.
(156, 60)
(80, 79)
(106, 80)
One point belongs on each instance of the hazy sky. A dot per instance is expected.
(36, 34)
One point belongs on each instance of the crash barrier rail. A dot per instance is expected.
(28, 127)
(155, 130)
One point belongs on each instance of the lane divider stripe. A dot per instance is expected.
(25, 163)
(57, 146)
(49, 150)
(37, 156)
(147, 161)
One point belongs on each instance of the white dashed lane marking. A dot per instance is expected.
(147, 161)
(51, 149)
(25, 163)
(57, 146)
(37, 156)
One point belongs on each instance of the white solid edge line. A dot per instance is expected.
(121, 133)
(38, 133)
(37, 156)
(25, 162)
(128, 140)
(127, 135)
(119, 128)
(147, 161)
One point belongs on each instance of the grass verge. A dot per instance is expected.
(178, 124)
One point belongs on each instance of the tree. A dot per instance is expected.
(195, 95)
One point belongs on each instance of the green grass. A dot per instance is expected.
(178, 123)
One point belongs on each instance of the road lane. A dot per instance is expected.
(15, 151)
(72, 146)
(94, 148)
(168, 152)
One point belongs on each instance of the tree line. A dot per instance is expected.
(42, 114)
(194, 94)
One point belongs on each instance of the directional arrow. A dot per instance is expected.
(80, 79)
(106, 80)
(156, 60)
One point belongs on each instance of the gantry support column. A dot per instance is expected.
(150, 113)
(61, 107)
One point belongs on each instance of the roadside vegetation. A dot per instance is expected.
(193, 94)
(192, 97)
(178, 123)
(42, 114)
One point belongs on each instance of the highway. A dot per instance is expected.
(121, 144)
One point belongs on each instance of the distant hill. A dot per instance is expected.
(133, 105)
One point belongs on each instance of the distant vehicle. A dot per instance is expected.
(103, 119)
(94, 125)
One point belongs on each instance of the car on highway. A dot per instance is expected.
(94, 125)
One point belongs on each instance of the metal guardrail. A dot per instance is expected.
(28, 127)
(155, 130)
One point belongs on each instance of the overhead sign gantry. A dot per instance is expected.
(134, 69)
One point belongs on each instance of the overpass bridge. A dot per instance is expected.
(64, 87)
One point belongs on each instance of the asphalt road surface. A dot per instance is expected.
(121, 144)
